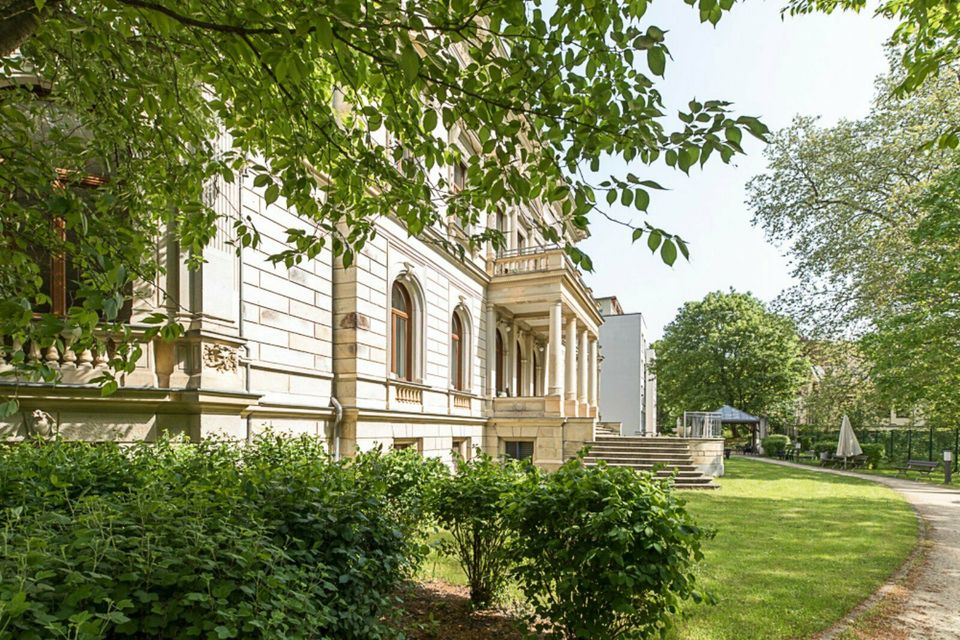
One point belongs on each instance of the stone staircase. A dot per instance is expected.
(643, 454)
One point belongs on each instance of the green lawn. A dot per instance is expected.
(794, 550)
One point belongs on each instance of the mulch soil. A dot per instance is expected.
(440, 611)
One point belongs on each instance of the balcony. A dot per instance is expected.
(527, 281)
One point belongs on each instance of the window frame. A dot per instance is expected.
(519, 445)
(457, 348)
(409, 317)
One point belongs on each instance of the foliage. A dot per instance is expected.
(203, 540)
(915, 350)
(840, 385)
(344, 111)
(407, 480)
(775, 444)
(874, 452)
(825, 446)
(729, 349)
(470, 505)
(603, 552)
(843, 201)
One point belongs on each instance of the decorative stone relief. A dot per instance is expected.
(220, 357)
(41, 424)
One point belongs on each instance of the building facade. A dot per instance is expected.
(628, 391)
(408, 346)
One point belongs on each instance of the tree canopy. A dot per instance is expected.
(915, 349)
(115, 115)
(844, 200)
(730, 349)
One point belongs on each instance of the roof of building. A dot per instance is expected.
(732, 415)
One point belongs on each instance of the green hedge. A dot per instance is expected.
(203, 540)
(775, 444)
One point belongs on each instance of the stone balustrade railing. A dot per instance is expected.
(74, 366)
(408, 394)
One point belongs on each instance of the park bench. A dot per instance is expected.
(926, 466)
(852, 462)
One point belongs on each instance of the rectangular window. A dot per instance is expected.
(459, 176)
(518, 449)
(408, 443)
(461, 446)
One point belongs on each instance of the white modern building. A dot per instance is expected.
(628, 386)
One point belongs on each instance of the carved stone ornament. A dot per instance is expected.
(41, 424)
(220, 357)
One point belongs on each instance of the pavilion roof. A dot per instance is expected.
(732, 415)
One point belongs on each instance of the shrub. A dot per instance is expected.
(874, 453)
(603, 552)
(825, 446)
(203, 540)
(470, 506)
(775, 444)
(406, 480)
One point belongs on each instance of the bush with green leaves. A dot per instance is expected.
(775, 444)
(406, 479)
(209, 540)
(825, 446)
(874, 452)
(603, 552)
(470, 506)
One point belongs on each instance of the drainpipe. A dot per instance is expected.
(337, 419)
(240, 324)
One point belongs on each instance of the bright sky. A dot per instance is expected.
(768, 67)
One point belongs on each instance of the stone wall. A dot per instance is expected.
(707, 455)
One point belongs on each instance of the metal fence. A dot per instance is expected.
(904, 443)
(701, 424)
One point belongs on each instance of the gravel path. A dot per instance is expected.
(931, 611)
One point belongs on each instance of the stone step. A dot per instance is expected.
(646, 452)
(697, 481)
(633, 464)
(640, 462)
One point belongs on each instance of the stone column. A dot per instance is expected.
(491, 351)
(583, 355)
(570, 367)
(594, 374)
(555, 366)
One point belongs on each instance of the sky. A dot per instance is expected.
(768, 67)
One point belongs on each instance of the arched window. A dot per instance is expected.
(401, 327)
(501, 356)
(458, 345)
(519, 382)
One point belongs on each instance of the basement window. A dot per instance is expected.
(518, 449)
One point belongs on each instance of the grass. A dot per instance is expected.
(794, 551)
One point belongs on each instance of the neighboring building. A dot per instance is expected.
(628, 386)
(407, 347)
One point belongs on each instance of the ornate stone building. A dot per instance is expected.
(409, 346)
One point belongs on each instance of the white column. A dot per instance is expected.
(594, 374)
(570, 347)
(491, 351)
(555, 366)
(583, 356)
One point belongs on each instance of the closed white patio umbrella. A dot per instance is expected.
(848, 446)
